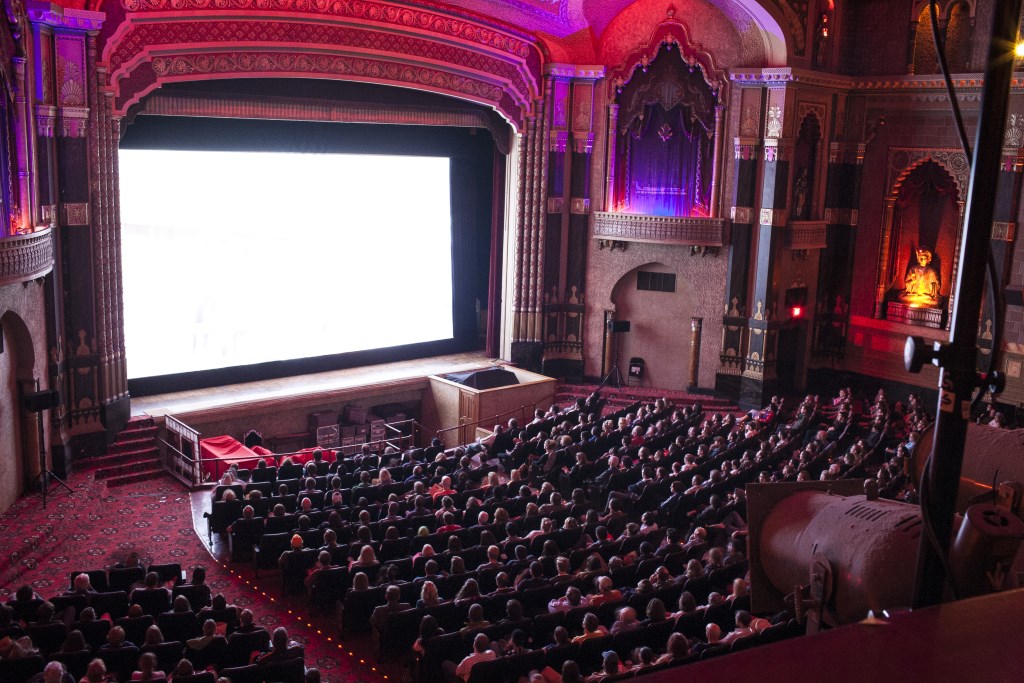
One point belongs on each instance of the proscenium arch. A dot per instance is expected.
(379, 42)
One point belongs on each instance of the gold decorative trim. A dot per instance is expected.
(742, 214)
(556, 204)
(806, 235)
(842, 217)
(1004, 231)
(74, 214)
(580, 206)
(773, 217)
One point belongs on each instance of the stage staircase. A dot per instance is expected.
(132, 457)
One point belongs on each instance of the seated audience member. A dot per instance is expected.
(74, 642)
(481, 653)
(96, 672)
(367, 557)
(53, 672)
(281, 648)
(475, 620)
(646, 659)
(606, 592)
(573, 598)
(627, 621)
(713, 633)
(687, 605)
(515, 644)
(153, 637)
(183, 669)
(428, 596)
(592, 628)
(742, 630)
(503, 583)
(207, 639)
(151, 589)
(393, 595)
(678, 648)
(81, 585)
(147, 669)
(323, 563)
(428, 629)
(611, 665)
(116, 639)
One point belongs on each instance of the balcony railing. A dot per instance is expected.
(631, 227)
(26, 257)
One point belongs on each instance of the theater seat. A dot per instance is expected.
(20, 670)
(243, 674)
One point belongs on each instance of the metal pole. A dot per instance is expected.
(957, 376)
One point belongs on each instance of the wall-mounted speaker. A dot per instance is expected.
(618, 326)
(38, 401)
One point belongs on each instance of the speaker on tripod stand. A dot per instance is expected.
(615, 329)
(37, 402)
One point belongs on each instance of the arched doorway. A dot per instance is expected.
(658, 306)
(18, 441)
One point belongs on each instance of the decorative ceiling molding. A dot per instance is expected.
(223, 105)
(968, 85)
(162, 41)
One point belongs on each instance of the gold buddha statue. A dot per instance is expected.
(921, 284)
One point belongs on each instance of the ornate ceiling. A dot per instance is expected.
(752, 32)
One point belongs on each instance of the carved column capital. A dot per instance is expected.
(746, 148)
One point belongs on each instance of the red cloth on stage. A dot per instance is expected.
(306, 454)
(225, 448)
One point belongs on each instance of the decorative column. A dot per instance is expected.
(835, 270)
(528, 260)
(759, 379)
(611, 140)
(715, 158)
(566, 243)
(696, 324)
(1004, 232)
(65, 97)
(743, 215)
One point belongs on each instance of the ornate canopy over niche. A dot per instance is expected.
(664, 151)
(377, 41)
(669, 33)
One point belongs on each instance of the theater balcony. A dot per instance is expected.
(26, 257)
(683, 231)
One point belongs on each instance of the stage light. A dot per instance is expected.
(1018, 49)
(797, 312)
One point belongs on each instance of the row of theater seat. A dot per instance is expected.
(230, 656)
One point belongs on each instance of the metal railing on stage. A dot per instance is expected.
(182, 454)
(464, 425)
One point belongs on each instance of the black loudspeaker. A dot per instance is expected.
(38, 401)
(796, 296)
(1014, 296)
(484, 379)
(618, 326)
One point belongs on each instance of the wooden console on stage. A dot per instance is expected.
(469, 408)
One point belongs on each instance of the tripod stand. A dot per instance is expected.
(45, 475)
(614, 376)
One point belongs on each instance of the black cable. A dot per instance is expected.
(940, 52)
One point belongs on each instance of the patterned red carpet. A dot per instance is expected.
(95, 527)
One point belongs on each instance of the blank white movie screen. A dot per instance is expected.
(235, 258)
